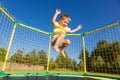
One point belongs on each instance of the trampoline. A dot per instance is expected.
(53, 76)
(46, 78)
(26, 53)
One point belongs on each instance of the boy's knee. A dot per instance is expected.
(68, 41)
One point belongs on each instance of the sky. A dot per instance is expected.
(92, 14)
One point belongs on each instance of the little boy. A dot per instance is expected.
(58, 42)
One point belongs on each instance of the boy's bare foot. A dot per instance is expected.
(63, 53)
(56, 49)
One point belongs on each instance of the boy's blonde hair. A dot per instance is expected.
(65, 16)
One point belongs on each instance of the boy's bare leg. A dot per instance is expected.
(65, 44)
(62, 51)
(59, 39)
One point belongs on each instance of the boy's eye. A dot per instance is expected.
(66, 22)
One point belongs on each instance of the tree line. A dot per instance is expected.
(104, 58)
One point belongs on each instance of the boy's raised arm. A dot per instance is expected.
(76, 29)
(55, 16)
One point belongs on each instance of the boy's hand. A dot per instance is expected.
(79, 26)
(58, 11)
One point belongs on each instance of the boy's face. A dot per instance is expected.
(64, 22)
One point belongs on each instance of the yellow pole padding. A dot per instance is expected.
(10, 17)
(84, 54)
(109, 26)
(48, 62)
(23, 25)
(73, 34)
(9, 46)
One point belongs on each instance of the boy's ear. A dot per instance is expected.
(69, 19)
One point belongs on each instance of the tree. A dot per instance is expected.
(80, 66)
(27, 59)
(104, 56)
(42, 58)
(75, 64)
(52, 64)
(99, 64)
(102, 43)
(81, 57)
(116, 65)
(3, 52)
(65, 63)
(33, 57)
(17, 57)
(30, 58)
(61, 61)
